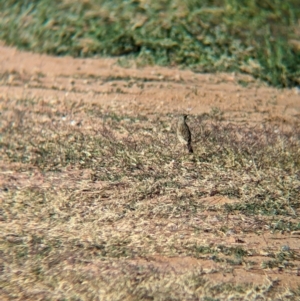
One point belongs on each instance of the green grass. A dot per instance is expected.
(257, 37)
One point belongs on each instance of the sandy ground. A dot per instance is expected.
(144, 90)
(152, 90)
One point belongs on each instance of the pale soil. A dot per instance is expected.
(153, 89)
(156, 90)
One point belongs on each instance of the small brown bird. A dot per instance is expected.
(184, 133)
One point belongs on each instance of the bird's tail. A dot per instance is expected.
(190, 148)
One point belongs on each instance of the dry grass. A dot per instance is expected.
(89, 198)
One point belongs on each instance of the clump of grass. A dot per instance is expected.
(246, 36)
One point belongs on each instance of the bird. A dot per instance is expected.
(183, 133)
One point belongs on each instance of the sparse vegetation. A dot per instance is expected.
(260, 38)
(85, 207)
(101, 203)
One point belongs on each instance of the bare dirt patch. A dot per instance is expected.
(93, 183)
(146, 90)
